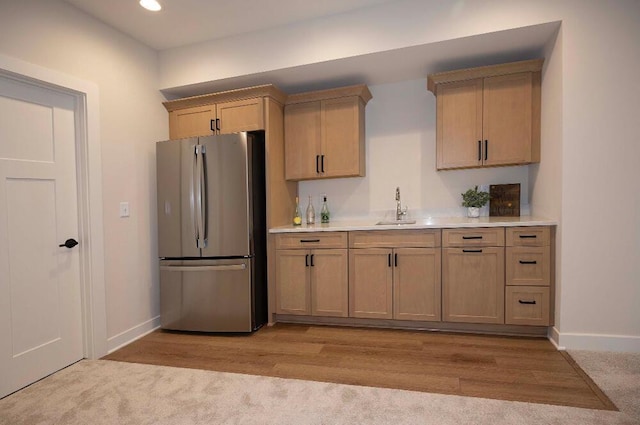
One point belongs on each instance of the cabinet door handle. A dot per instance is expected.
(212, 127)
(526, 302)
(486, 150)
(528, 236)
(317, 164)
(471, 250)
(472, 237)
(309, 240)
(218, 124)
(322, 163)
(528, 262)
(306, 260)
(479, 150)
(312, 260)
(389, 260)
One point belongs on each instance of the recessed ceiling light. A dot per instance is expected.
(152, 5)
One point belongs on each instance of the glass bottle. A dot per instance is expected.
(311, 213)
(324, 212)
(297, 218)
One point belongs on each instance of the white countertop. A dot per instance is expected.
(421, 223)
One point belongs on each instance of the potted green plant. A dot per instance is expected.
(474, 200)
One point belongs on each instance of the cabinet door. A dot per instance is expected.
(507, 119)
(191, 122)
(370, 283)
(292, 282)
(473, 285)
(240, 115)
(329, 282)
(416, 284)
(342, 152)
(459, 124)
(302, 139)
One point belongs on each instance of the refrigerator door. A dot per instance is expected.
(206, 295)
(226, 187)
(176, 164)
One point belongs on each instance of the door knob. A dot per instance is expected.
(69, 243)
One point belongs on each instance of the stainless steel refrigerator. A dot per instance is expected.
(212, 233)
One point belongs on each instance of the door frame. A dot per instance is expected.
(89, 183)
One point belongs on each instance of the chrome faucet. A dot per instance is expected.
(400, 213)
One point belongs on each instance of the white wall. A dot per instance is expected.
(589, 176)
(55, 35)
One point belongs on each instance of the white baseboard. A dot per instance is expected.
(130, 335)
(594, 342)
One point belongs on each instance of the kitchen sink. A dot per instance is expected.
(396, 222)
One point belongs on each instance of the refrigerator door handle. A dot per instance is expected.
(194, 196)
(198, 207)
(204, 197)
(223, 267)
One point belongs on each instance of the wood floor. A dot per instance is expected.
(505, 368)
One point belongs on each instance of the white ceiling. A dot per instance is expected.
(182, 22)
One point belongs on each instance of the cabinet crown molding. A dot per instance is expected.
(267, 90)
(360, 90)
(533, 65)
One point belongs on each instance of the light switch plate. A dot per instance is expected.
(124, 209)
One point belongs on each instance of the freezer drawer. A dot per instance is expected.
(207, 295)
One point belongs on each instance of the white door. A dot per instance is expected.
(40, 300)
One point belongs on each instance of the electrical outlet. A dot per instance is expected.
(124, 209)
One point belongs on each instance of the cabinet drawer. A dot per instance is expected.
(527, 305)
(473, 237)
(429, 238)
(306, 240)
(528, 236)
(528, 265)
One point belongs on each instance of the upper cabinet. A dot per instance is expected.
(488, 116)
(220, 113)
(324, 133)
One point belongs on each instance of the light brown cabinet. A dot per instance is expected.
(488, 116)
(311, 274)
(221, 118)
(529, 276)
(324, 133)
(473, 275)
(395, 275)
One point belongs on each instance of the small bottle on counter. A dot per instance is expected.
(297, 218)
(324, 212)
(311, 212)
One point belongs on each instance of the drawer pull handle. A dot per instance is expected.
(526, 302)
(528, 236)
(309, 240)
(472, 250)
(472, 237)
(528, 262)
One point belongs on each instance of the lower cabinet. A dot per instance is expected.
(492, 275)
(529, 276)
(400, 283)
(473, 275)
(312, 281)
(473, 284)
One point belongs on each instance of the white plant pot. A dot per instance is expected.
(473, 212)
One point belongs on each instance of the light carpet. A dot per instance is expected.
(109, 392)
